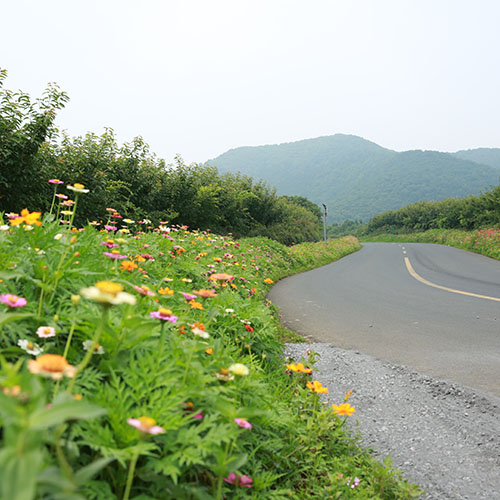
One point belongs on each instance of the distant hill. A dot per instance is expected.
(357, 178)
(485, 156)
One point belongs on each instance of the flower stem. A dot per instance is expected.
(130, 476)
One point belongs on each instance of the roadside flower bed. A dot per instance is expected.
(142, 362)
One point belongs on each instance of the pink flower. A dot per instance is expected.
(146, 425)
(198, 416)
(144, 290)
(55, 181)
(115, 256)
(62, 196)
(189, 296)
(13, 300)
(244, 424)
(46, 331)
(242, 481)
(164, 315)
(110, 244)
(110, 228)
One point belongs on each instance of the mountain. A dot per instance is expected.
(357, 178)
(485, 156)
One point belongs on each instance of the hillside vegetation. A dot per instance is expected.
(132, 179)
(357, 178)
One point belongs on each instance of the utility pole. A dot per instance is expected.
(325, 213)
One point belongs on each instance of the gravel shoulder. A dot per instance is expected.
(443, 436)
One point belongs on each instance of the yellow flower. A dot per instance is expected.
(239, 369)
(107, 292)
(269, 281)
(343, 409)
(128, 265)
(165, 291)
(195, 305)
(317, 387)
(299, 367)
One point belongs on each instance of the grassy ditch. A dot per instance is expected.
(144, 363)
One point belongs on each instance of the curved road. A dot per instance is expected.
(383, 301)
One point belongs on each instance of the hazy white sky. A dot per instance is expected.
(198, 77)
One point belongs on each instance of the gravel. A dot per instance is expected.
(443, 436)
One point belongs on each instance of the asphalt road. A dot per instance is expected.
(369, 301)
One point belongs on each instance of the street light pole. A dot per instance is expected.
(325, 213)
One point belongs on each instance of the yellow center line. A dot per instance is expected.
(452, 290)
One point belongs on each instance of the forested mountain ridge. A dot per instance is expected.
(357, 178)
(484, 156)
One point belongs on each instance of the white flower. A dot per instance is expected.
(200, 333)
(27, 227)
(58, 236)
(87, 345)
(230, 310)
(239, 369)
(106, 292)
(29, 347)
(46, 331)
(78, 188)
(4, 227)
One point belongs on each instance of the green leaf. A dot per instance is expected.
(237, 461)
(7, 317)
(66, 410)
(18, 473)
(86, 473)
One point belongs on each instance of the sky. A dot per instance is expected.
(199, 77)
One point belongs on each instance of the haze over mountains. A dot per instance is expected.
(358, 179)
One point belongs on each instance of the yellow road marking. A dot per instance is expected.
(429, 283)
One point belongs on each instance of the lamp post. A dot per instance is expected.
(325, 213)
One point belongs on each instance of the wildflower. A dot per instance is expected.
(111, 210)
(94, 223)
(128, 265)
(51, 365)
(221, 277)
(249, 328)
(28, 218)
(209, 351)
(110, 244)
(4, 227)
(228, 310)
(14, 390)
(115, 255)
(188, 296)
(165, 291)
(75, 299)
(147, 425)
(128, 221)
(67, 203)
(13, 300)
(241, 481)
(239, 369)
(55, 181)
(224, 375)
(244, 424)
(110, 228)
(355, 482)
(343, 409)
(268, 281)
(29, 347)
(164, 315)
(144, 290)
(61, 196)
(66, 212)
(46, 331)
(78, 188)
(348, 394)
(200, 333)
(195, 305)
(317, 387)
(108, 293)
(185, 280)
(87, 346)
(299, 367)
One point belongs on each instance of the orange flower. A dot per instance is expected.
(182, 329)
(347, 395)
(209, 351)
(343, 409)
(195, 305)
(128, 265)
(165, 291)
(221, 277)
(269, 281)
(317, 387)
(234, 286)
(205, 293)
(51, 365)
(27, 217)
(199, 325)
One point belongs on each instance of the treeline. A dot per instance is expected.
(132, 179)
(472, 212)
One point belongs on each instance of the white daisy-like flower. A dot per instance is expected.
(200, 333)
(4, 227)
(229, 310)
(78, 188)
(106, 292)
(29, 347)
(58, 236)
(87, 345)
(46, 331)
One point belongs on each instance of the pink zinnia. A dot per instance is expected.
(55, 181)
(244, 424)
(13, 300)
(115, 256)
(62, 196)
(110, 228)
(146, 425)
(242, 481)
(110, 244)
(144, 290)
(164, 315)
(189, 296)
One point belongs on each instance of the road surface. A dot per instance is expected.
(433, 308)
